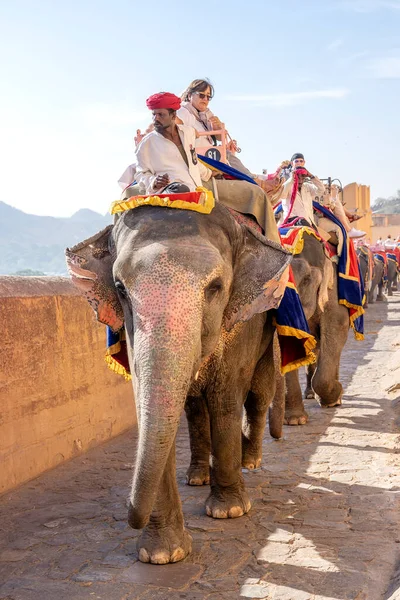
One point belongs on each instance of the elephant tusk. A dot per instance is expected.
(196, 376)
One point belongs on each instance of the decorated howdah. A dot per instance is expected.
(295, 339)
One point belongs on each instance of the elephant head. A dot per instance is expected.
(181, 282)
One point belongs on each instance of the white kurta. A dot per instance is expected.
(158, 156)
(302, 206)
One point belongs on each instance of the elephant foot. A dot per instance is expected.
(198, 475)
(227, 503)
(379, 298)
(309, 393)
(250, 461)
(331, 397)
(328, 404)
(296, 416)
(251, 454)
(161, 546)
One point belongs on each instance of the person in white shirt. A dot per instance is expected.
(167, 157)
(196, 113)
(389, 243)
(299, 192)
(167, 162)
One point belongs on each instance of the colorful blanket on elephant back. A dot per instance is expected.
(380, 256)
(392, 256)
(202, 201)
(117, 354)
(350, 283)
(295, 340)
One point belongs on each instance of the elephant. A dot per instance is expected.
(391, 276)
(364, 258)
(194, 293)
(316, 280)
(377, 281)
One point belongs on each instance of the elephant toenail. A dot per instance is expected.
(177, 555)
(235, 511)
(144, 555)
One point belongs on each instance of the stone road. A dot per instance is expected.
(324, 523)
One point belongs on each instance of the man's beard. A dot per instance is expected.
(159, 127)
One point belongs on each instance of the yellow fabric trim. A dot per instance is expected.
(206, 206)
(298, 244)
(291, 285)
(349, 277)
(302, 362)
(208, 166)
(116, 367)
(309, 345)
(359, 311)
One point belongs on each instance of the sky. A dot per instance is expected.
(322, 78)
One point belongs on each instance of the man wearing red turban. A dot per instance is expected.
(163, 100)
(166, 157)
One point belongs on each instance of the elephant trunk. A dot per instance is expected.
(166, 355)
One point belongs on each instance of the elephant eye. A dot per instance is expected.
(121, 289)
(213, 288)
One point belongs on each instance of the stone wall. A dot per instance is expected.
(57, 396)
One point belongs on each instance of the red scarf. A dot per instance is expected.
(295, 188)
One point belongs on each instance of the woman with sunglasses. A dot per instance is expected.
(241, 196)
(195, 113)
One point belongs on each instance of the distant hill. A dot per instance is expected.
(31, 242)
(387, 206)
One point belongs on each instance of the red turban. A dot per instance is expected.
(163, 100)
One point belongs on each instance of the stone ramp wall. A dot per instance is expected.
(57, 396)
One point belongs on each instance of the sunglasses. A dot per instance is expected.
(203, 96)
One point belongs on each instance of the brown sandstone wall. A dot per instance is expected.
(57, 396)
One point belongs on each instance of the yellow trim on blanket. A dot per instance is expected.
(116, 367)
(359, 311)
(351, 277)
(309, 345)
(205, 207)
(298, 245)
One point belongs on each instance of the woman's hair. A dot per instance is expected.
(197, 85)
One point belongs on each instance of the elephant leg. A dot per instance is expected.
(309, 393)
(228, 497)
(379, 297)
(371, 294)
(198, 418)
(334, 327)
(267, 387)
(253, 425)
(295, 413)
(165, 539)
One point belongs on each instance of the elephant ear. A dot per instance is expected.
(261, 272)
(90, 266)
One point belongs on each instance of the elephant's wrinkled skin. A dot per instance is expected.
(363, 259)
(194, 290)
(391, 277)
(377, 282)
(316, 281)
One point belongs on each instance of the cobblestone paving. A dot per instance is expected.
(324, 523)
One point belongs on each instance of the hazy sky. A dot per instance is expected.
(321, 78)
